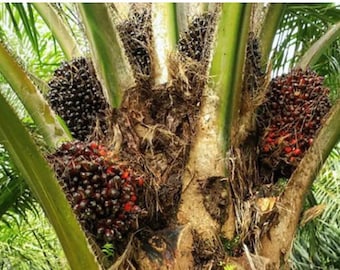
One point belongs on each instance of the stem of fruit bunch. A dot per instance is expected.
(44, 186)
(50, 128)
(58, 29)
(277, 242)
(315, 51)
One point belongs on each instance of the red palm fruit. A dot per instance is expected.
(125, 175)
(100, 189)
(140, 181)
(128, 206)
(293, 142)
(295, 107)
(288, 149)
(297, 152)
(266, 148)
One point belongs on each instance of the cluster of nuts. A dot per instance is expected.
(102, 191)
(253, 74)
(76, 96)
(289, 119)
(136, 34)
(193, 43)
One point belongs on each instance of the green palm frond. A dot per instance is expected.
(13, 192)
(227, 71)
(328, 66)
(29, 243)
(59, 30)
(273, 18)
(298, 32)
(326, 189)
(15, 195)
(317, 250)
(315, 245)
(13, 19)
(69, 14)
(110, 63)
(34, 102)
(45, 187)
(23, 13)
(50, 54)
(319, 46)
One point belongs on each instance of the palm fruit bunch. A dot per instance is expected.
(103, 192)
(194, 42)
(136, 34)
(77, 97)
(295, 107)
(253, 72)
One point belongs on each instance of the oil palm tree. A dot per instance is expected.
(184, 84)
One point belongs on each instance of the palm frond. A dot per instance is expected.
(45, 188)
(315, 244)
(50, 54)
(34, 102)
(69, 14)
(326, 189)
(13, 19)
(29, 243)
(228, 60)
(297, 32)
(15, 196)
(314, 52)
(317, 250)
(111, 66)
(273, 17)
(21, 13)
(59, 29)
(12, 187)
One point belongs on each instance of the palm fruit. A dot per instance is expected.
(194, 42)
(103, 192)
(253, 72)
(76, 95)
(295, 107)
(136, 34)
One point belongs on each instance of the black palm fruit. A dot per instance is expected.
(136, 35)
(253, 74)
(194, 42)
(76, 95)
(103, 192)
(295, 108)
